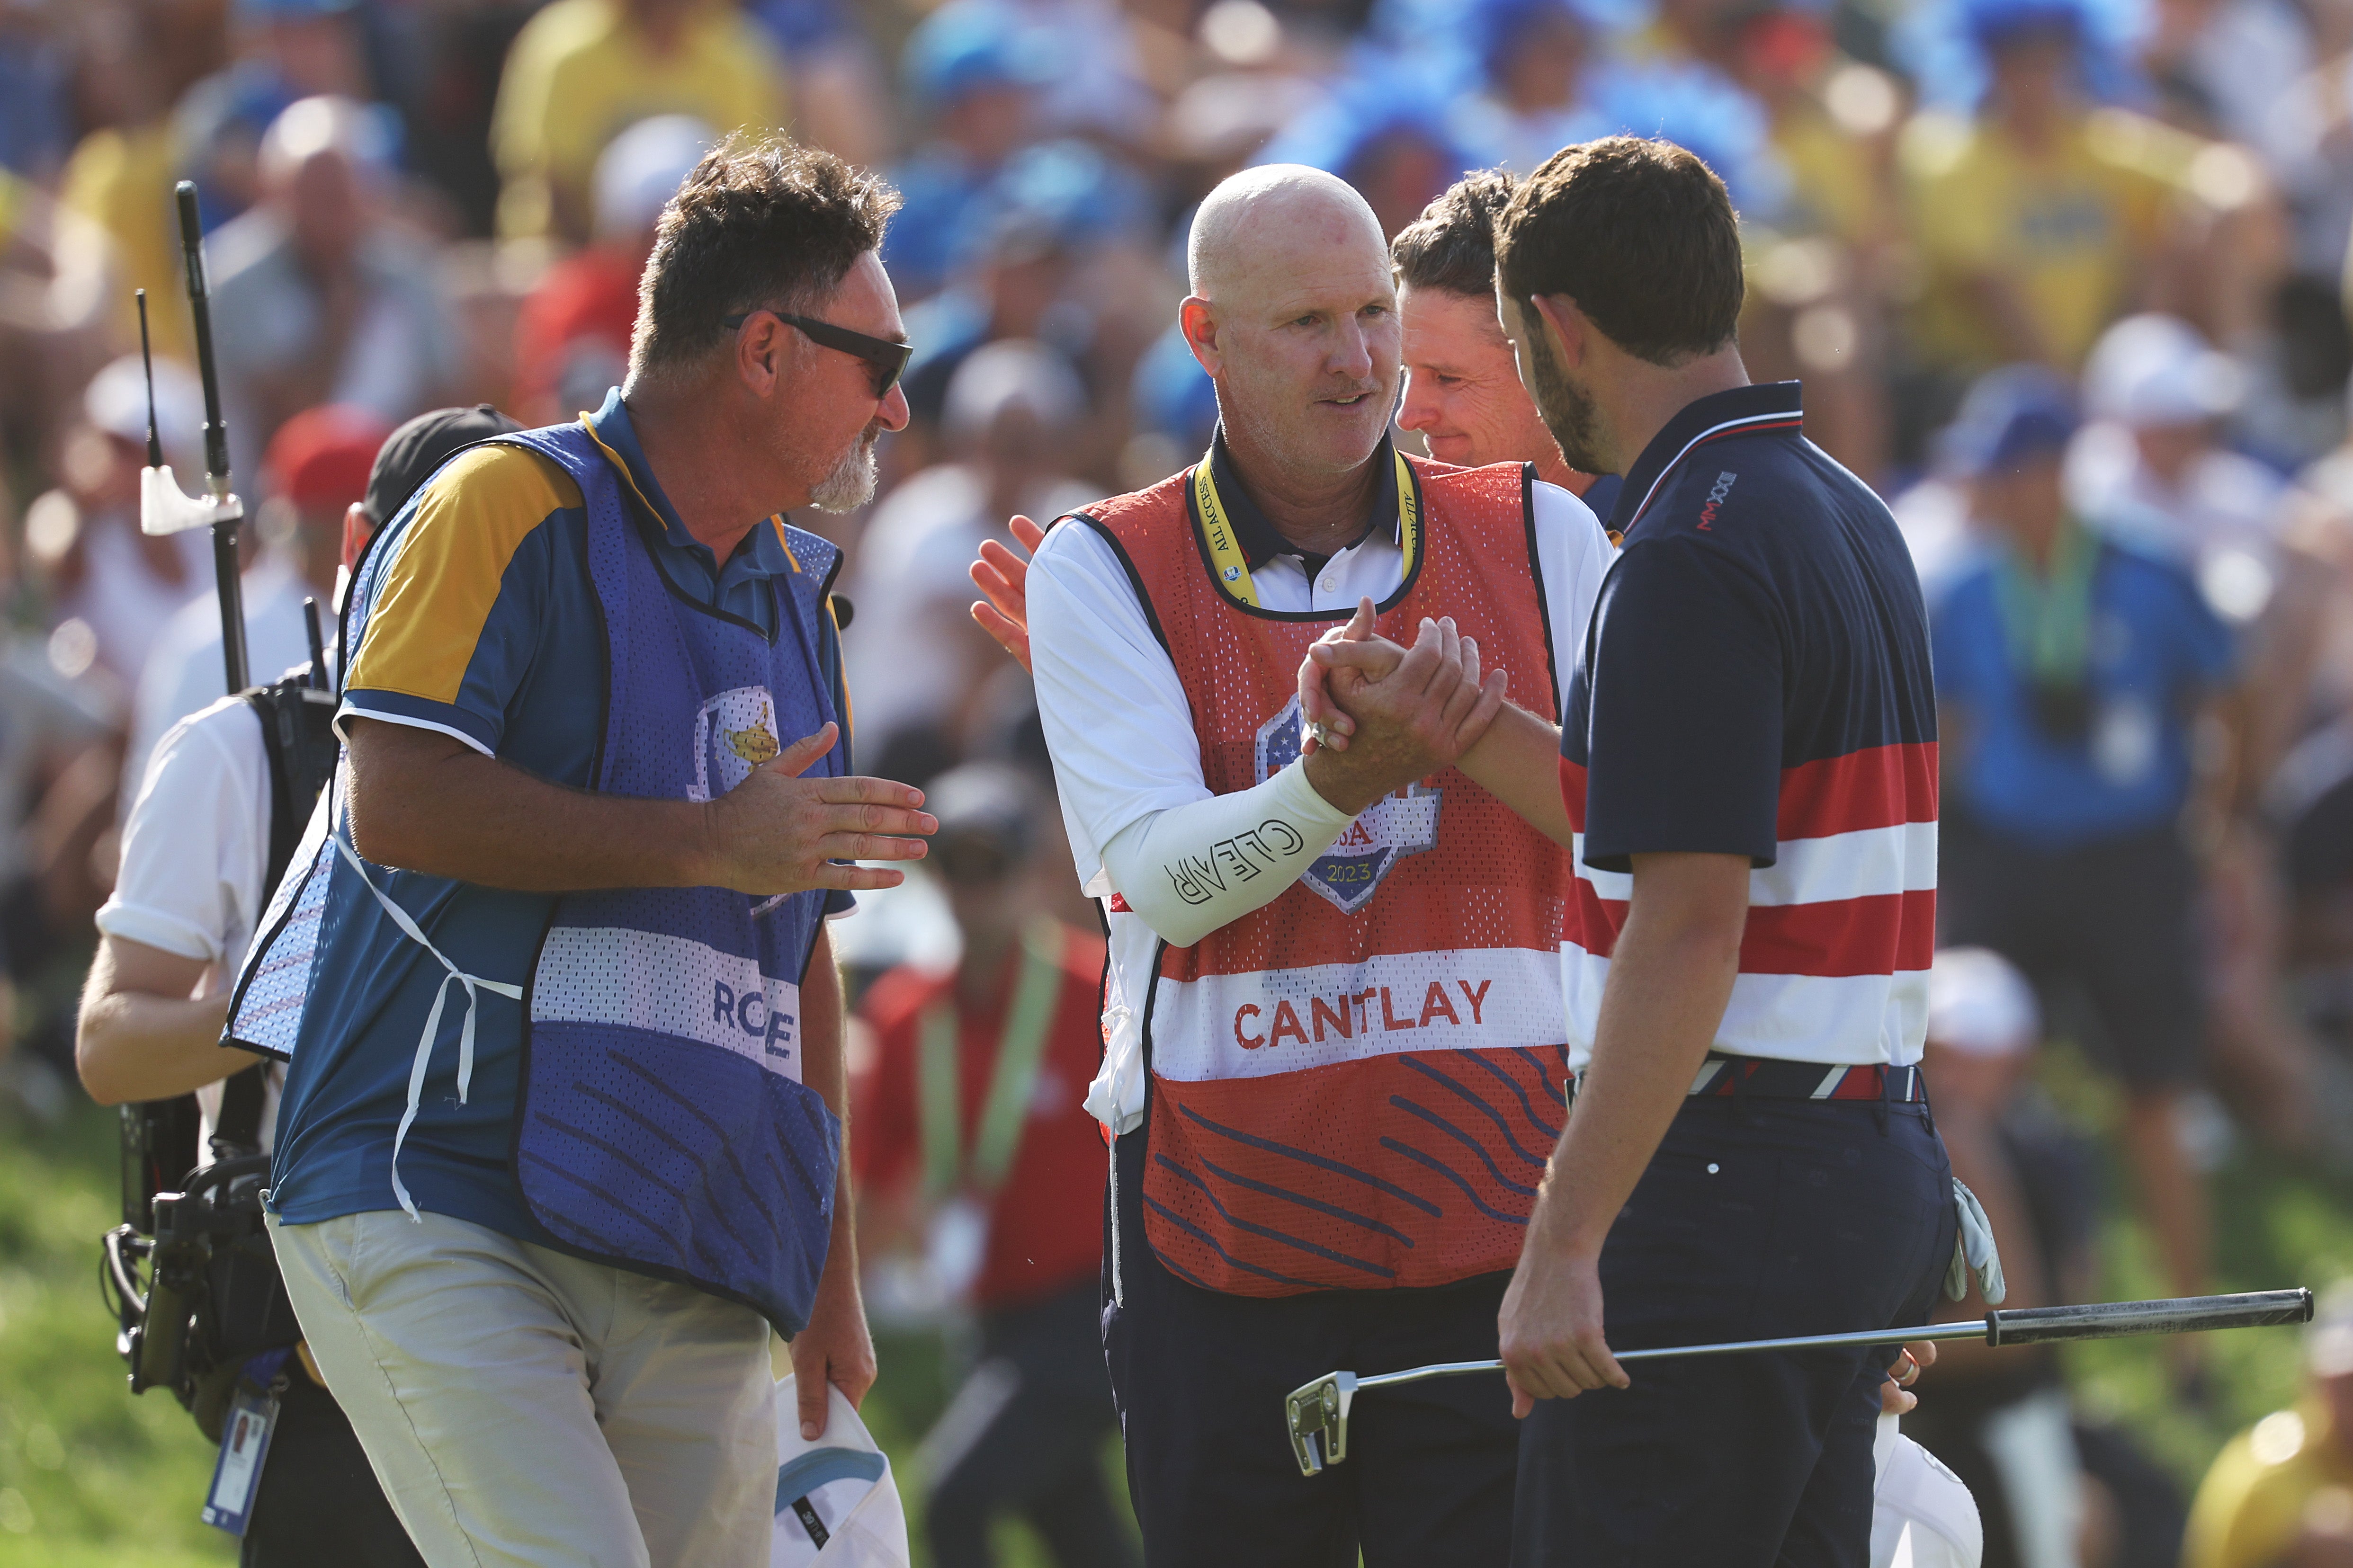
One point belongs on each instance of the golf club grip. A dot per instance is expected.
(192, 252)
(2193, 1314)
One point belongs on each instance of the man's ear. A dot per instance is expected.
(356, 530)
(1197, 319)
(1563, 324)
(764, 352)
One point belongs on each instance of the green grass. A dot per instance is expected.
(2276, 1225)
(92, 1477)
(89, 1476)
(88, 1473)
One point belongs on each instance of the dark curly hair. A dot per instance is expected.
(1640, 234)
(761, 221)
(1451, 246)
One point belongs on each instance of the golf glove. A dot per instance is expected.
(1974, 1250)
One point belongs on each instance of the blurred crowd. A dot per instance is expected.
(2067, 280)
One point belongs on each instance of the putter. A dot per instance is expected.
(1317, 1412)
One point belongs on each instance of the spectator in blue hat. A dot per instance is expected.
(36, 119)
(2072, 674)
(973, 71)
(286, 50)
(1534, 57)
(1547, 81)
(1033, 265)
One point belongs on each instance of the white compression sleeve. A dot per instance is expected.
(1190, 869)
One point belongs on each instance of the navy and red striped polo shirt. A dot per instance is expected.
(1755, 682)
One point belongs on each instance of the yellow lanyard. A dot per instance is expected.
(1231, 567)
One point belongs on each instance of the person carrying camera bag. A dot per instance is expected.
(219, 812)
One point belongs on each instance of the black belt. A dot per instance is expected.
(1770, 1078)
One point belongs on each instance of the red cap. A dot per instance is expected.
(321, 457)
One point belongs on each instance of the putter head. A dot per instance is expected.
(1317, 1414)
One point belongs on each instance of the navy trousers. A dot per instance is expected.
(1026, 1437)
(1199, 1378)
(318, 1501)
(1755, 1219)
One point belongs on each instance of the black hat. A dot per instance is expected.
(410, 454)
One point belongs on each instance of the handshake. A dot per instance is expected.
(1378, 716)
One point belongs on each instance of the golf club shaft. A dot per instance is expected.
(2032, 1325)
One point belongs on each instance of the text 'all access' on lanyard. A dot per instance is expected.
(1231, 567)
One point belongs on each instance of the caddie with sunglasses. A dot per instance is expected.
(563, 1128)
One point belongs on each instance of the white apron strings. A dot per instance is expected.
(416, 933)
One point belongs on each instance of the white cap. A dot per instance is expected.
(836, 1501)
(116, 402)
(1980, 1005)
(326, 122)
(1004, 374)
(2152, 370)
(642, 169)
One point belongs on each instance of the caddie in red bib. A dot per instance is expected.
(1393, 1015)
(1334, 1042)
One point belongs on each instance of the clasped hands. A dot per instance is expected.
(1377, 716)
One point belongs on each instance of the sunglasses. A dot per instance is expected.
(886, 359)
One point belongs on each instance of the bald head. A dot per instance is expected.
(1293, 314)
(1262, 222)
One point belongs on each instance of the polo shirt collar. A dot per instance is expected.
(1771, 407)
(763, 549)
(1260, 541)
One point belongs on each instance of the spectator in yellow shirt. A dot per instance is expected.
(2037, 225)
(582, 71)
(2281, 1493)
(120, 177)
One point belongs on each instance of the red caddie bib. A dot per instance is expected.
(1357, 1086)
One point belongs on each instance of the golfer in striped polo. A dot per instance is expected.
(1747, 785)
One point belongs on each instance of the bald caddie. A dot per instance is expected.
(1333, 1032)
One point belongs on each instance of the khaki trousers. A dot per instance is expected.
(524, 1408)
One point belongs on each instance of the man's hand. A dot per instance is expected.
(1549, 1332)
(834, 1348)
(1429, 708)
(1005, 578)
(1326, 724)
(424, 801)
(1895, 1395)
(779, 833)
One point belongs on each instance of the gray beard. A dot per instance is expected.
(1566, 409)
(851, 485)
